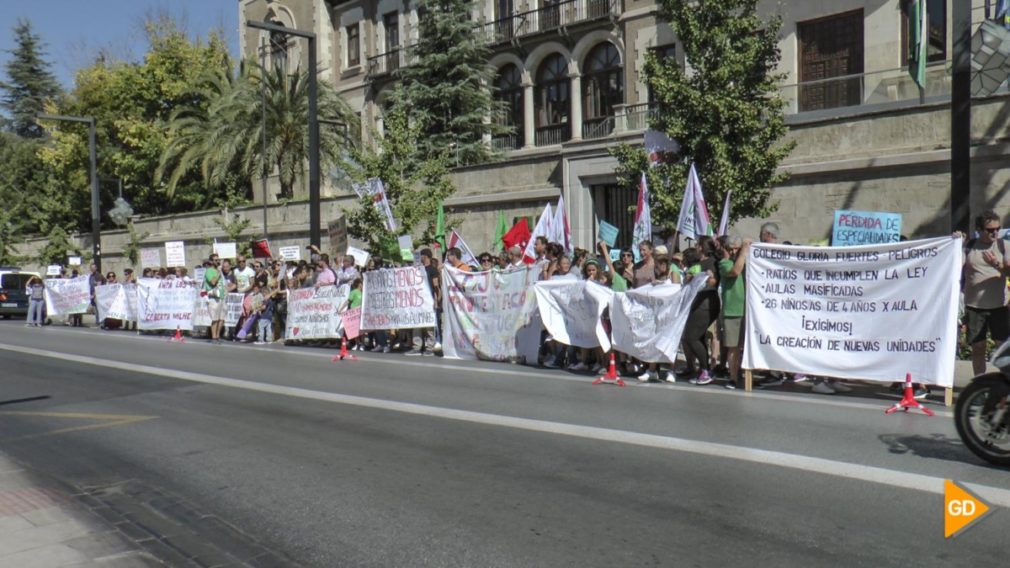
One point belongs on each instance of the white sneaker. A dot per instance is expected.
(840, 387)
(670, 377)
(259, 343)
(550, 363)
(578, 367)
(822, 387)
(800, 378)
(647, 376)
(436, 347)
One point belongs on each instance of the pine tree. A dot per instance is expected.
(726, 112)
(449, 86)
(29, 82)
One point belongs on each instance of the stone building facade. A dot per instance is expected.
(572, 73)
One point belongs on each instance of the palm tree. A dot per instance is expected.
(224, 136)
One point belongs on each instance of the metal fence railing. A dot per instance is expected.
(547, 18)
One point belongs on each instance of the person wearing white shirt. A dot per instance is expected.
(243, 275)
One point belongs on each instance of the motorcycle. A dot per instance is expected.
(982, 413)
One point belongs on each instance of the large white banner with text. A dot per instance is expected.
(165, 304)
(647, 322)
(484, 312)
(67, 296)
(397, 298)
(871, 312)
(116, 301)
(313, 312)
(571, 311)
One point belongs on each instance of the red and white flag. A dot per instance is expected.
(694, 220)
(543, 229)
(643, 218)
(466, 255)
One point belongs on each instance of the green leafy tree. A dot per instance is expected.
(726, 113)
(58, 247)
(131, 102)
(449, 86)
(415, 184)
(29, 84)
(132, 249)
(233, 231)
(226, 135)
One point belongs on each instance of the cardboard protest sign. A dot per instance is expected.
(68, 296)
(226, 250)
(175, 253)
(233, 309)
(360, 256)
(852, 228)
(150, 258)
(290, 253)
(397, 298)
(313, 312)
(352, 322)
(608, 233)
(53, 270)
(872, 312)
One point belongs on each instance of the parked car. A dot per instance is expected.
(14, 291)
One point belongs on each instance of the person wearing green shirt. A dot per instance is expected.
(734, 295)
(213, 288)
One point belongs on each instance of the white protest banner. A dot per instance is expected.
(571, 311)
(68, 296)
(397, 298)
(872, 312)
(73, 260)
(225, 250)
(175, 253)
(647, 322)
(201, 312)
(165, 304)
(313, 312)
(53, 270)
(150, 258)
(360, 256)
(484, 312)
(233, 309)
(113, 302)
(293, 253)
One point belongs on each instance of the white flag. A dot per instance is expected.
(694, 220)
(643, 218)
(543, 229)
(466, 255)
(375, 190)
(661, 148)
(560, 228)
(724, 221)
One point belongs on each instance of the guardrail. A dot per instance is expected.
(547, 18)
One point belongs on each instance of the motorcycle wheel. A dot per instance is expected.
(974, 425)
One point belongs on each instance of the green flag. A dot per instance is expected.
(499, 232)
(918, 40)
(440, 228)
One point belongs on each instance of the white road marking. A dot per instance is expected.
(715, 389)
(883, 476)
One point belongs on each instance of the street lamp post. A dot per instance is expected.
(96, 218)
(314, 216)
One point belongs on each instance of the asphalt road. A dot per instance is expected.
(278, 456)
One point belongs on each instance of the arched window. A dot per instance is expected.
(602, 82)
(510, 91)
(552, 101)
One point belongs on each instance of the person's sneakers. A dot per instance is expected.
(259, 343)
(550, 363)
(703, 378)
(730, 385)
(414, 353)
(578, 367)
(801, 378)
(436, 347)
(841, 387)
(386, 349)
(822, 387)
(920, 393)
(647, 376)
(773, 381)
(670, 377)
(377, 349)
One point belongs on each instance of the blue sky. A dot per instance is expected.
(74, 31)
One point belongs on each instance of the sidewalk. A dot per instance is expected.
(41, 526)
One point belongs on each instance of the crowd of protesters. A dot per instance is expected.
(712, 340)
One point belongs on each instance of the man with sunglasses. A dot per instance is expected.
(986, 267)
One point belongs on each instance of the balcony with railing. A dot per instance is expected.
(391, 61)
(597, 127)
(863, 92)
(548, 18)
(552, 134)
(507, 142)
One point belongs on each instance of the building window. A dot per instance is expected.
(391, 23)
(602, 81)
(552, 101)
(353, 46)
(616, 205)
(510, 92)
(278, 48)
(831, 61)
(936, 50)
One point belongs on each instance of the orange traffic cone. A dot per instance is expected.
(611, 377)
(178, 336)
(343, 352)
(908, 401)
